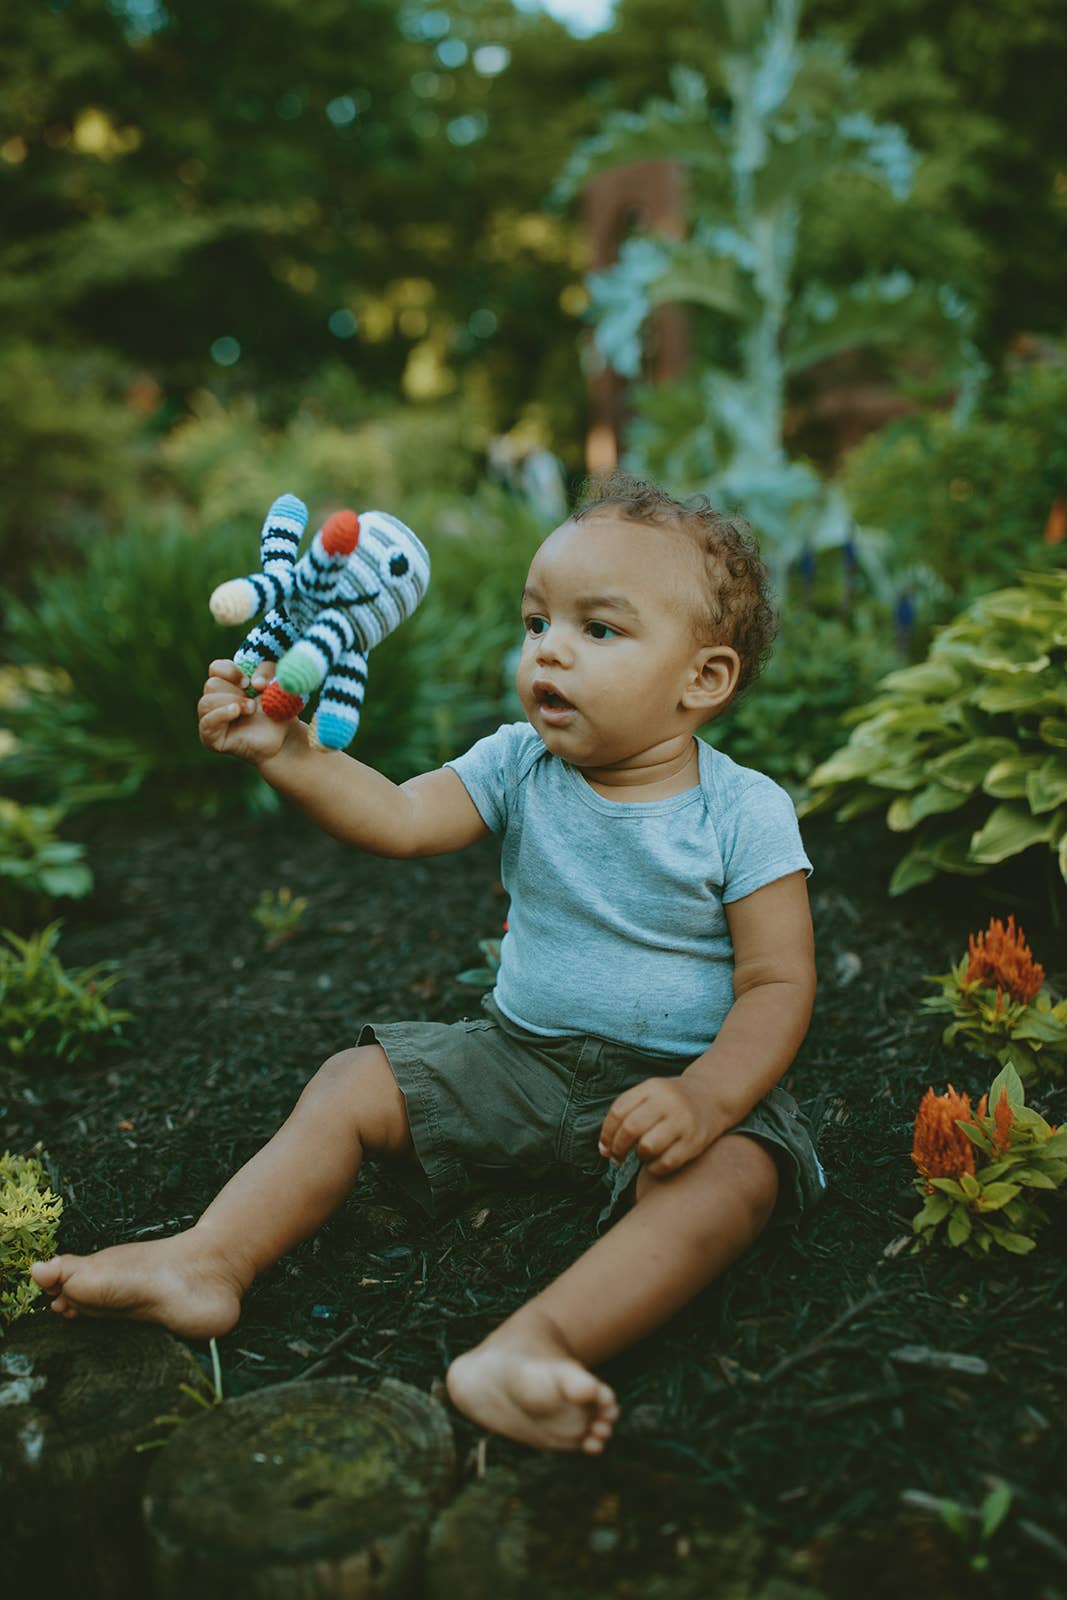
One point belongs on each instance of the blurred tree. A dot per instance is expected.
(982, 89)
(240, 197)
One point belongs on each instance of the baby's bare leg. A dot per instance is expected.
(530, 1378)
(193, 1283)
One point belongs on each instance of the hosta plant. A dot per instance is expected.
(29, 1217)
(980, 1170)
(967, 750)
(997, 997)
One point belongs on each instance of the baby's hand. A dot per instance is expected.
(669, 1121)
(231, 722)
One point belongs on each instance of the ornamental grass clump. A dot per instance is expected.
(978, 1170)
(967, 750)
(49, 1015)
(29, 1218)
(997, 996)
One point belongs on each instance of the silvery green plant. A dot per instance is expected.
(752, 168)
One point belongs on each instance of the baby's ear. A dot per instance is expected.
(713, 684)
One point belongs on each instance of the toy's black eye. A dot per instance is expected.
(398, 565)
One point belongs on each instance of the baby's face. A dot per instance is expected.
(608, 645)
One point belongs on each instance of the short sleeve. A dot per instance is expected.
(491, 769)
(761, 840)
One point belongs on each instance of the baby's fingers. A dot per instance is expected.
(224, 668)
(217, 719)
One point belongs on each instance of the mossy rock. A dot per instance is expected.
(615, 1528)
(302, 1490)
(76, 1399)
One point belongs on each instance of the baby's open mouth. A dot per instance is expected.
(550, 698)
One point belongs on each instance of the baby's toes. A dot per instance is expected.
(580, 1387)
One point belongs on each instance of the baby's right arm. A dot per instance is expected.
(428, 815)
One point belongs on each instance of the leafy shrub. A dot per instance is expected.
(35, 866)
(1000, 1007)
(224, 465)
(29, 1219)
(791, 718)
(48, 1013)
(979, 1170)
(971, 743)
(971, 500)
(71, 444)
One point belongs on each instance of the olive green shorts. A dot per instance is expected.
(490, 1105)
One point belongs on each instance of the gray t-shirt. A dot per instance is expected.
(616, 926)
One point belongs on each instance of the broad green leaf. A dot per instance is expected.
(1033, 1178)
(1014, 1243)
(1053, 730)
(1008, 831)
(1007, 1079)
(959, 1227)
(970, 1186)
(936, 679)
(1041, 1025)
(1006, 780)
(998, 1194)
(908, 810)
(1021, 694)
(951, 852)
(965, 767)
(936, 1207)
(914, 869)
(949, 1186)
(1047, 787)
(995, 1508)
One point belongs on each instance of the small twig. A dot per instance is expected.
(334, 1345)
(848, 1402)
(817, 1344)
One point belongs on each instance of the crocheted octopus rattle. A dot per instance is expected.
(357, 581)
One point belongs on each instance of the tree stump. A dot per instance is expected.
(300, 1492)
(76, 1398)
(582, 1529)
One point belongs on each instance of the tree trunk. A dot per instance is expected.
(300, 1492)
(76, 1398)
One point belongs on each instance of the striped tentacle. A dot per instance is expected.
(341, 701)
(267, 641)
(279, 541)
(316, 652)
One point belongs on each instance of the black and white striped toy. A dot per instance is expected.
(360, 578)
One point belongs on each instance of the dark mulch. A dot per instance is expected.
(779, 1387)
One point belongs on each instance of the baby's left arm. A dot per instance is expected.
(672, 1120)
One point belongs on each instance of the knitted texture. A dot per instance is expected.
(358, 580)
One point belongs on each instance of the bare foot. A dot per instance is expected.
(523, 1381)
(180, 1282)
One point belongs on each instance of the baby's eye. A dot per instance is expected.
(600, 630)
(535, 625)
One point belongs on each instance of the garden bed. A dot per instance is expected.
(783, 1389)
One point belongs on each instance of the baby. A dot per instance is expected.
(655, 983)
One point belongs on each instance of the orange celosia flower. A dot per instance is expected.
(940, 1149)
(1003, 1118)
(1001, 959)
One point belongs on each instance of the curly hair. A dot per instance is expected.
(737, 608)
